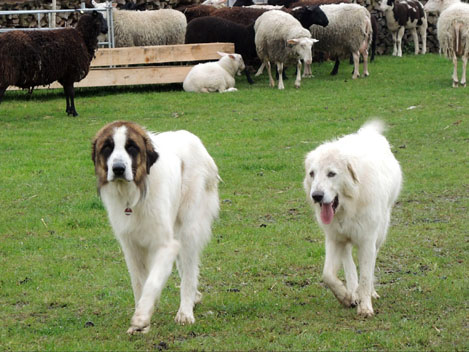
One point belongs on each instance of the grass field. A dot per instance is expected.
(64, 284)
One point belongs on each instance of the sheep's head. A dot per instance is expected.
(435, 6)
(101, 23)
(309, 15)
(234, 60)
(301, 48)
(386, 5)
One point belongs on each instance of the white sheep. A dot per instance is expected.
(349, 32)
(405, 14)
(143, 28)
(214, 76)
(453, 32)
(281, 38)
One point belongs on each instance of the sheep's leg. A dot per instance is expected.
(335, 70)
(298, 74)
(463, 75)
(400, 34)
(2, 92)
(260, 70)
(455, 71)
(280, 75)
(364, 51)
(307, 71)
(413, 31)
(269, 71)
(70, 99)
(394, 43)
(356, 63)
(248, 76)
(423, 35)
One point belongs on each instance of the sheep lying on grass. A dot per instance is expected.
(453, 33)
(34, 58)
(281, 38)
(214, 76)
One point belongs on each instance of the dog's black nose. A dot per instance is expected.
(318, 196)
(118, 169)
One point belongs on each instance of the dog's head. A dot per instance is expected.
(122, 152)
(330, 181)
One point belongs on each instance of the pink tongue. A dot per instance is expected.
(327, 213)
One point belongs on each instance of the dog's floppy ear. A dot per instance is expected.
(152, 155)
(93, 151)
(352, 173)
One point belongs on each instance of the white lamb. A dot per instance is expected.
(348, 32)
(453, 32)
(214, 76)
(281, 38)
(144, 28)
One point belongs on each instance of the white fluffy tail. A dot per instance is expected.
(374, 126)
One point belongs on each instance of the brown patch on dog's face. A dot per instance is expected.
(136, 146)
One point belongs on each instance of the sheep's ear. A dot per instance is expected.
(232, 57)
(221, 53)
(314, 40)
(291, 42)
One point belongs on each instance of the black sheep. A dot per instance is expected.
(34, 58)
(215, 29)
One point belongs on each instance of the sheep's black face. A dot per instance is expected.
(100, 22)
(318, 15)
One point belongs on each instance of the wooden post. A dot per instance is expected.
(54, 7)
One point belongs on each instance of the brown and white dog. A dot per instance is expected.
(161, 195)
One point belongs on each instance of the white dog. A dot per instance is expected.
(161, 195)
(352, 184)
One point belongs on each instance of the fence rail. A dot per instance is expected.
(39, 13)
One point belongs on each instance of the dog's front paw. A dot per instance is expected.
(184, 318)
(133, 330)
(365, 311)
(349, 300)
(139, 324)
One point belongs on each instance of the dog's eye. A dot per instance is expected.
(107, 149)
(331, 174)
(311, 174)
(132, 149)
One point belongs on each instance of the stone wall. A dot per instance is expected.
(384, 45)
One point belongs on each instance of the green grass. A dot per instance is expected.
(64, 283)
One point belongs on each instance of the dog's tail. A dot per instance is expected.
(373, 126)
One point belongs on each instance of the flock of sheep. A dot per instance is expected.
(261, 35)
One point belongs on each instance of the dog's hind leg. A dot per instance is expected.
(350, 271)
(334, 255)
(161, 267)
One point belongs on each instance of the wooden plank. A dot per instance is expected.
(160, 54)
(128, 76)
(135, 76)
